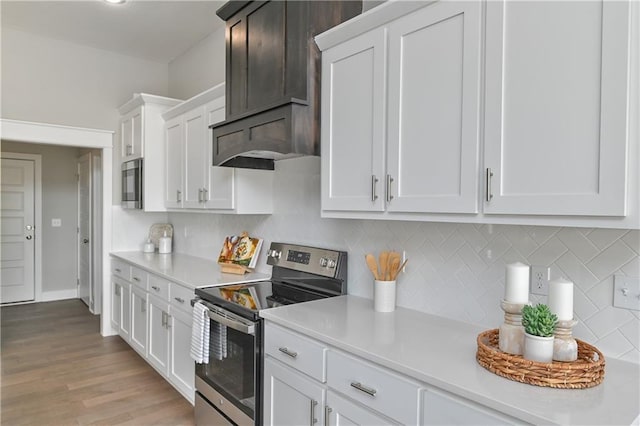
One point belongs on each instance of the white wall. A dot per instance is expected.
(199, 68)
(454, 270)
(59, 200)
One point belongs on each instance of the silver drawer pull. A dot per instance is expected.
(155, 287)
(312, 418)
(118, 270)
(327, 414)
(136, 279)
(179, 299)
(288, 352)
(362, 388)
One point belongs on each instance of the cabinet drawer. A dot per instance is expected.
(296, 351)
(120, 269)
(374, 386)
(180, 296)
(139, 277)
(159, 287)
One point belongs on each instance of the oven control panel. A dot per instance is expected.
(307, 259)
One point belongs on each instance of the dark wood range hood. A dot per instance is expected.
(273, 79)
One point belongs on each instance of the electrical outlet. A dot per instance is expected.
(56, 222)
(540, 280)
(626, 292)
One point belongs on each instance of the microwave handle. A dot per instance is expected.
(236, 325)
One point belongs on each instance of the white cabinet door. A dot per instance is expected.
(174, 141)
(195, 153)
(125, 311)
(158, 343)
(139, 320)
(343, 412)
(440, 408)
(556, 107)
(182, 367)
(353, 124)
(131, 134)
(290, 398)
(219, 185)
(116, 303)
(433, 109)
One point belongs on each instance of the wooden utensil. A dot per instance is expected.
(400, 268)
(384, 263)
(393, 269)
(371, 263)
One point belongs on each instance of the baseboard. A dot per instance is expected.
(49, 296)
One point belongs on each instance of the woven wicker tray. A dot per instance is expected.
(587, 371)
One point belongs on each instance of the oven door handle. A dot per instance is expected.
(236, 325)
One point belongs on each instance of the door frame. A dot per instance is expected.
(37, 194)
(89, 157)
(52, 134)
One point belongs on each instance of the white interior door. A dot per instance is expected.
(84, 231)
(18, 231)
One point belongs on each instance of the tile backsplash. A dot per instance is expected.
(454, 270)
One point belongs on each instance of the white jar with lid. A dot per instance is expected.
(164, 244)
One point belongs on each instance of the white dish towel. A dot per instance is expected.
(200, 334)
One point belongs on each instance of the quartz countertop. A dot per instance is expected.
(441, 352)
(189, 271)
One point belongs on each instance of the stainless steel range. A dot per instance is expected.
(229, 385)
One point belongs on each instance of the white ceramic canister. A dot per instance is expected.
(384, 296)
(164, 244)
(149, 247)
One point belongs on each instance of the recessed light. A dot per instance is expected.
(115, 1)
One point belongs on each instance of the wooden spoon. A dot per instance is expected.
(399, 269)
(371, 263)
(384, 263)
(393, 269)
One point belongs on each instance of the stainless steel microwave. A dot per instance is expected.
(132, 184)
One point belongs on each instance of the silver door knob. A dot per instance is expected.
(29, 237)
(86, 240)
(29, 227)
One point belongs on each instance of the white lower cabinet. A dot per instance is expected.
(154, 316)
(355, 392)
(293, 399)
(342, 411)
(139, 320)
(181, 366)
(158, 334)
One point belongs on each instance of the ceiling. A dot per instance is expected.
(155, 30)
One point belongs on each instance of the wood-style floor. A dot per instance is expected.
(58, 370)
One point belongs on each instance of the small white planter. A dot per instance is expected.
(538, 348)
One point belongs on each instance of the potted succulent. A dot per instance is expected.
(539, 325)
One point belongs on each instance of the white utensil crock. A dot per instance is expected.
(384, 296)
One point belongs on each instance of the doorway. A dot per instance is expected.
(20, 184)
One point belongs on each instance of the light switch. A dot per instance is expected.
(56, 222)
(626, 292)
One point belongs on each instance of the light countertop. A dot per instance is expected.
(189, 271)
(441, 352)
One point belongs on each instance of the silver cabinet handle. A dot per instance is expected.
(118, 270)
(179, 299)
(199, 195)
(136, 279)
(362, 388)
(389, 181)
(327, 413)
(205, 195)
(164, 319)
(155, 287)
(489, 192)
(312, 417)
(178, 195)
(167, 322)
(117, 290)
(288, 352)
(374, 181)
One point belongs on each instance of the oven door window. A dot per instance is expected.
(232, 366)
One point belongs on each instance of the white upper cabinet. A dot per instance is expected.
(400, 127)
(141, 136)
(433, 119)
(556, 107)
(507, 112)
(191, 181)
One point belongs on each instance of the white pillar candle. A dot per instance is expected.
(516, 287)
(561, 299)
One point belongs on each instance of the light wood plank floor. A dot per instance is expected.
(58, 370)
